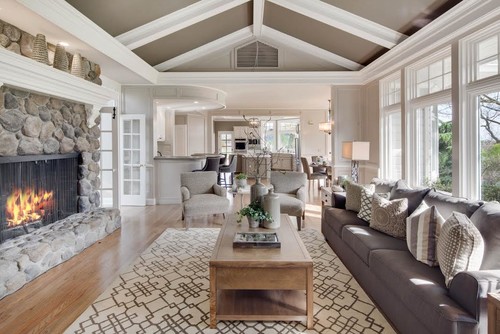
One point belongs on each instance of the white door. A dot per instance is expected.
(133, 149)
(109, 161)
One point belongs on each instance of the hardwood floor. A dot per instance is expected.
(50, 303)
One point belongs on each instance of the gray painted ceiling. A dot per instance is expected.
(117, 17)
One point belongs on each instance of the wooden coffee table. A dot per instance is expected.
(261, 284)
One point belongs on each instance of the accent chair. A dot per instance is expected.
(291, 190)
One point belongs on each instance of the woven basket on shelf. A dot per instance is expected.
(76, 66)
(61, 59)
(40, 53)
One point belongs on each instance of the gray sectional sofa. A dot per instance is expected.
(412, 295)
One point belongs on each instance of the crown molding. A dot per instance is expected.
(72, 21)
(25, 73)
(227, 42)
(458, 21)
(310, 77)
(175, 21)
(344, 20)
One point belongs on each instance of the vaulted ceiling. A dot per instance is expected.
(202, 35)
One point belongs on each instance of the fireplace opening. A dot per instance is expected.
(36, 191)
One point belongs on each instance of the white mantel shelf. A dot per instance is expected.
(25, 73)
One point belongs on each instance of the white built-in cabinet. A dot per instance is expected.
(160, 125)
(240, 132)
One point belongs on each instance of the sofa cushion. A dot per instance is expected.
(353, 195)
(460, 246)
(365, 210)
(363, 239)
(422, 232)
(421, 289)
(383, 186)
(487, 221)
(338, 218)
(446, 204)
(389, 216)
(414, 196)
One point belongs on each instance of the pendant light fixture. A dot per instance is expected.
(327, 126)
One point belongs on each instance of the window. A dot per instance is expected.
(287, 132)
(433, 78)
(489, 145)
(391, 166)
(225, 142)
(487, 57)
(431, 158)
(269, 136)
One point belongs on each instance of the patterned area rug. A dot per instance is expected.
(166, 290)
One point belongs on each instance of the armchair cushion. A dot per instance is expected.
(288, 182)
(185, 194)
(199, 182)
(203, 204)
(220, 191)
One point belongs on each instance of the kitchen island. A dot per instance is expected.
(168, 171)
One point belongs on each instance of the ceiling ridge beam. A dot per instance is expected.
(238, 37)
(286, 41)
(344, 20)
(258, 17)
(175, 21)
(72, 21)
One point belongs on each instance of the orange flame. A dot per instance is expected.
(27, 206)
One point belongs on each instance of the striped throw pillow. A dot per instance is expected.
(422, 233)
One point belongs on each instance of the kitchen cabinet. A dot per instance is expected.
(160, 125)
(251, 165)
(282, 161)
(240, 131)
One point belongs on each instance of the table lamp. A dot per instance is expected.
(355, 151)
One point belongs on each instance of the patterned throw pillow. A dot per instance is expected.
(365, 212)
(353, 195)
(389, 217)
(422, 232)
(460, 246)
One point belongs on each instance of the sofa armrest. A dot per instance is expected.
(470, 289)
(338, 200)
(185, 194)
(301, 194)
(220, 191)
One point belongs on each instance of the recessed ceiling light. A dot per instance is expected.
(64, 44)
(195, 102)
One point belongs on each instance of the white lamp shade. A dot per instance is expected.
(326, 127)
(356, 150)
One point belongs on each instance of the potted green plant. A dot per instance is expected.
(241, 180)
(254, 213)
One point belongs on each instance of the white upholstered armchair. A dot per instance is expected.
(291, 189)
(201, 195)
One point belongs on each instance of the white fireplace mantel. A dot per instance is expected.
(25, 73)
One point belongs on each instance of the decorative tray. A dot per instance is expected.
(256, 240)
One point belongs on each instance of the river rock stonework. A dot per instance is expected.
(32, 124)
(24, 258)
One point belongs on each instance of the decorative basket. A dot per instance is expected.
(61, 59)
(40, 53)
(76, 66)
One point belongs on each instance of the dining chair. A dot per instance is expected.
(314, 175)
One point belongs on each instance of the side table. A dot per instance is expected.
(326, 196)
(493, 313)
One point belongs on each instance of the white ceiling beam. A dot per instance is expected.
(246, 77)
(344, 20)
(175, 21)
(63, 15)
(227, 42)
(258, 17)
(286, 41)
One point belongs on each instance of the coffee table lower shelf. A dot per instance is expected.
(261, 305)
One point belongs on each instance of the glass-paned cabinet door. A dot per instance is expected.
(133, 160)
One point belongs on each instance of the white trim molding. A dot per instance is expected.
(25, 73)
(344, 20)
(258, 17)
(175, 21)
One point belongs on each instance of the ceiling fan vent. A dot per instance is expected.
(255, 55)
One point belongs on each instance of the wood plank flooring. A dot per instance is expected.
(50, 303)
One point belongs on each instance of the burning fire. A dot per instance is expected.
(27, 206)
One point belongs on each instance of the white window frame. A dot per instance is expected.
(387, 109)
(219, 142)
(470, 89)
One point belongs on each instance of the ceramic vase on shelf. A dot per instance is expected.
(61, 61)
(76, 66)
(257, 190)
(40, 52)
(272, 206)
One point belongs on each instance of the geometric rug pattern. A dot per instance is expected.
(166, 290)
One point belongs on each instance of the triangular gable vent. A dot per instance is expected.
(257, 54)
